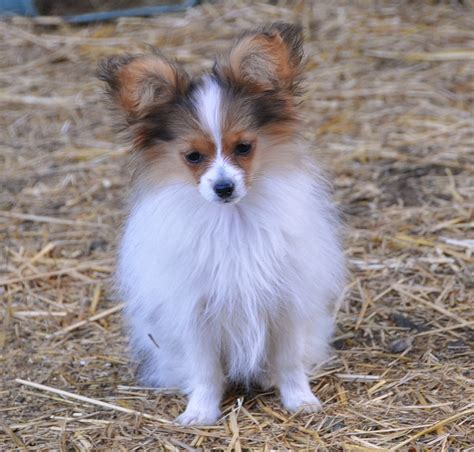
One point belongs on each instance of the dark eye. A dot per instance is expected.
(242, 149)
(194, 157)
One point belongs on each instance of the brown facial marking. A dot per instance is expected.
(229, 144)
(205, 147)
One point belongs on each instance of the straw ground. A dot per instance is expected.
(389, 108)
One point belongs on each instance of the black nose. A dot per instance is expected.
(224, 189)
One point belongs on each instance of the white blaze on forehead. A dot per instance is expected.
(208, 102)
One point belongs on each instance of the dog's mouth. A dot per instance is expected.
(229, 201)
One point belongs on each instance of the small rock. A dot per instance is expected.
(98, 244)
(404, 322)
(340, 344)
(106, 183)
(400, 345)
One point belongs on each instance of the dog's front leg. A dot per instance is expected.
(205, 382)
(290, 375)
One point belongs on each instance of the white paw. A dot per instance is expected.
(198, 416)
(306, 403)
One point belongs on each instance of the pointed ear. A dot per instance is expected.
(139, 84)
(266, 59)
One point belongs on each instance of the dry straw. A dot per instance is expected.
(389, 103)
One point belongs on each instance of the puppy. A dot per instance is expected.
(230, 260)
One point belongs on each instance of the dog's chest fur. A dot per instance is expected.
(232, 264)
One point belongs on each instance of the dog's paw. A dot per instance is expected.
(198, 416)
(265, 381)
(306, 403)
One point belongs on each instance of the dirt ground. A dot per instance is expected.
(389, 108)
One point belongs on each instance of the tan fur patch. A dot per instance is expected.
(205, 146)
(230, 140)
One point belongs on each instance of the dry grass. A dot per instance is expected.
(389, 107)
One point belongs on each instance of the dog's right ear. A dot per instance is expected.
(141, 84)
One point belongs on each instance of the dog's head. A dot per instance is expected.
(221, 130)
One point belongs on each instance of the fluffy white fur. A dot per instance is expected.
(233, 292)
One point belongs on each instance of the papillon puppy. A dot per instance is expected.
(230, 262)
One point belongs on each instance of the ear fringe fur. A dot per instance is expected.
(270, 57)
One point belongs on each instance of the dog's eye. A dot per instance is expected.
(194, 157)
(242, 149)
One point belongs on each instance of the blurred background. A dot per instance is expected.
(388, 109)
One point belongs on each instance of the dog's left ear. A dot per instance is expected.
(138, 84)
(266, 59)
